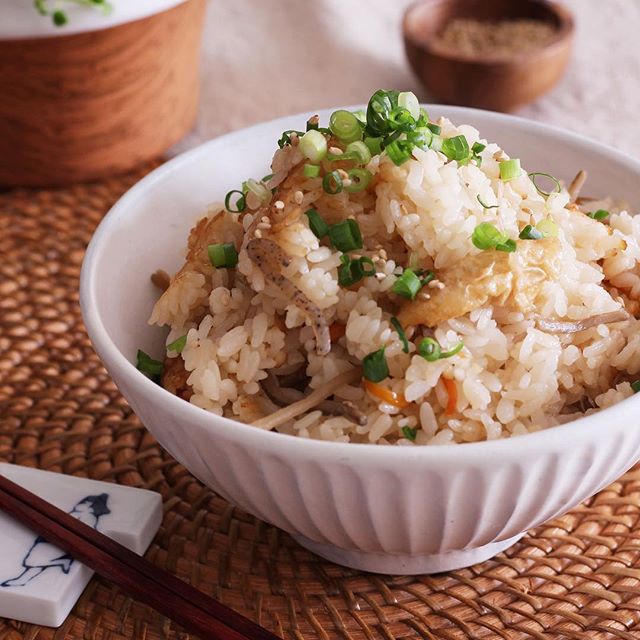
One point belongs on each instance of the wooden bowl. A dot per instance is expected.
(84, 106)
(488, 81)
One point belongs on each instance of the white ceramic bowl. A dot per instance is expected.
(376, 508)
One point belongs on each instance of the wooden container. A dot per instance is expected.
(489, 81)
(83, 106)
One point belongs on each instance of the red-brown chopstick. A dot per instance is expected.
(192, 609)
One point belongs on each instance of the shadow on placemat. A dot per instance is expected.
(576, 577)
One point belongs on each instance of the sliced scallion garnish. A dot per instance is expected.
(486, 206)
(485, 236)
(531, 233)
(223, 255)
(178, 345)
(431, 350)
(352, 271)
(360, 179)
(557, 187)
(345, 126)
(317, 224)
(374, 145)
(360, 150)
(407, 285)
(456, 148)
(408, 100)
(399, 151)
(510, 169)
(311, 170)
(374, 366)
(548, 228)
(600, 214)
(401, 334)
(313, 145)
(345, 236)
(410, 433)
(635, 386)
(434, 128)
(285, 138)
(146, 364)
(332, 183)
(240, 203)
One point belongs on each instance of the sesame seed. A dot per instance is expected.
(257, 233)
(298, 197)
(433, 284)
(278, 204)
(424, 296)
(346, 183)
(344, 175)
(441, 285)
(335, 150)
(264, 219)
(380, 276)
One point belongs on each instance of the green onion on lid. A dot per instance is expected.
(510, 169)
(223, 255)
(317, 224)
(345, 126)
(407, 285)
(345, 236)
(401, 334)
(313, 145)
(178, 345)
(374, 366)
(146, 364)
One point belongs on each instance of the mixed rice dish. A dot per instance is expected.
(401, 281)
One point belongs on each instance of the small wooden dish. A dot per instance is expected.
(497, 82)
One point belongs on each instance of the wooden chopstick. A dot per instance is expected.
(170, 596)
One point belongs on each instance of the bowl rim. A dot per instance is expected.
(556, 437)
(431, 45)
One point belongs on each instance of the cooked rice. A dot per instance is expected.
(511, 377)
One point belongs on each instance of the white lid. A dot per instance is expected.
(20, 18)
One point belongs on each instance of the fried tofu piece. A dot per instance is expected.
(513, 279)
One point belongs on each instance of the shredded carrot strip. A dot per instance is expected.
(336, 331)
(452, 392)
(386, 395)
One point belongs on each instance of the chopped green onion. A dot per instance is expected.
(401, 120)
(434, 128)
(486, 236)
(410, 433)
(399, 151)
(258, 189)
(478, 147)
(530, 233)
(343, 155)
(548, 228)
(267, 178)
(401, 334)
(317, 224)
(146, 364)
(508, 246)
(431, 350)
(223, 256)
(374, 145)
(600, 214)
(510, 169)
(414, 261)
(436, 143)
(486, 206)
(285, 138)
(379, 108)
(313, 145)
(420, 137)
(332, 183)
(636, 386)
(178, 345)
(374, 366)
(427, 279)
(423, 118)
(360, 179)
(311, 170)
(557, 187)
(240, 203)
(361, 115)
(456, 148)
(352, 271)
(345, 235)
(407, 100)
(345, 126)
(360, 149)
(407, 285)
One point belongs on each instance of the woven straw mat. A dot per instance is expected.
(575, 577)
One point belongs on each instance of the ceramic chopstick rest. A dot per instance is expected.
(39, 583)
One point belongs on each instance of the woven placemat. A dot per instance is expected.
(576, 577)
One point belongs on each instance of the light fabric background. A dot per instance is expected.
(268, 58)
